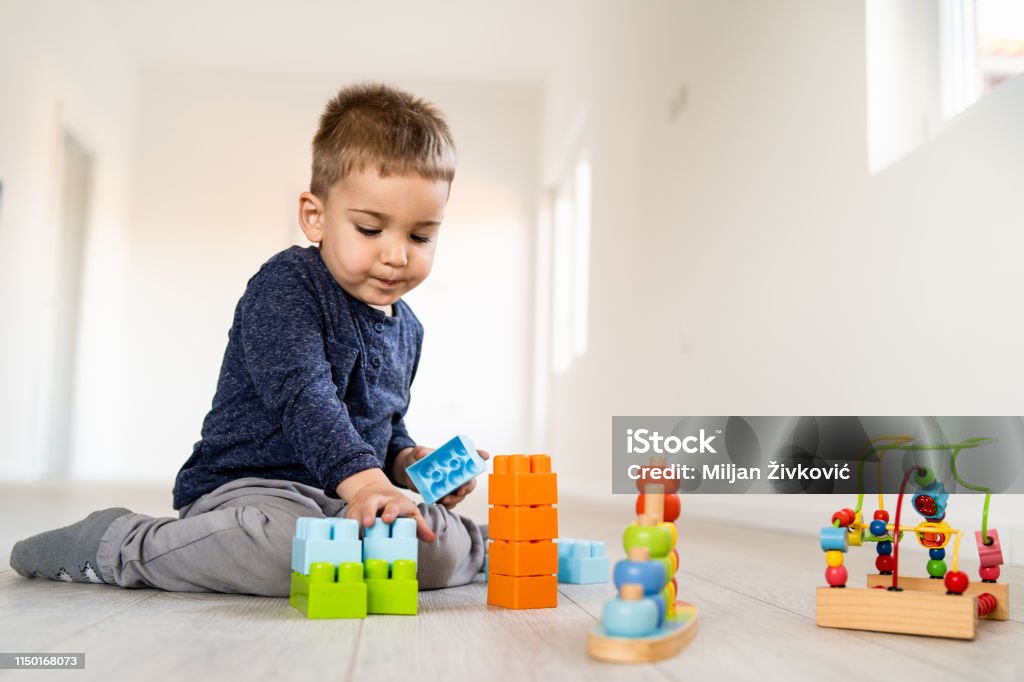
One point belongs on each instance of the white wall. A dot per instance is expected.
(222, 159)
(743, 260)
(60, 68)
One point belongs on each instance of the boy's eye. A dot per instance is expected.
(368, 231)
(420, 239)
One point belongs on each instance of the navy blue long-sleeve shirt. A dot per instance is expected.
(313, 387)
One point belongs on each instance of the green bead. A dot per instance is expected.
(936, 568)
(926, 479)
(655, 538)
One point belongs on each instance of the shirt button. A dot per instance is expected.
(375, 362)
(379, 326)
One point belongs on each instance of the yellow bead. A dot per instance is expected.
(855, 537)
(673, 530)
(834, 558)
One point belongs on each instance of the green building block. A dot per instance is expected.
(330, 593)
(397, 595)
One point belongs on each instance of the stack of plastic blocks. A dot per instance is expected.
(335, 575)
(327, 569)
(582, 562)
(523, 523)
(389, 554)
(446, 469)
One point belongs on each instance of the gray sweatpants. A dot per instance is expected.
(238, 538)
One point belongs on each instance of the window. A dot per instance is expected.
(928, 60)
(982, 46)
(570, 266)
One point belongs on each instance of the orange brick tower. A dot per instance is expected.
(523, 524)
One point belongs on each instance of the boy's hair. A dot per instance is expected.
(372, 124)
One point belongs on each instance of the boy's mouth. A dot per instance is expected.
(387, 283)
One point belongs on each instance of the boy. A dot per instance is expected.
(308, 415)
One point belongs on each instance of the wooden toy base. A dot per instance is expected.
(908, 612)
(1001, 591)
(667, 642)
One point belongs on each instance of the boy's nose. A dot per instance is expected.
(393, 253)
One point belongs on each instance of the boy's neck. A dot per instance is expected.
(386, 309)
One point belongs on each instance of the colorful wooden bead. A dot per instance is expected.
(836, 576)
(669, 593)
(884, 564)
(881, 515)
(672, 530)
(936, 568)
(855, 536)
(631, 615)
(989, 574)
(924, 478)
(884, 548)
(956, 582)
(937, 553)
(647, 533)
(834, 538)
(991, 553)
(834, 557)
(639, 570)
(930, 501)
(877, 528)
(671, 506)
(987, 603)
(660, 603)
(844, 516)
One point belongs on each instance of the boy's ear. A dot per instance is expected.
(311, 217)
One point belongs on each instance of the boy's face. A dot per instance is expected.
(377, 234)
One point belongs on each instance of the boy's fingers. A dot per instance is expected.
(391, 511)
(483, 454)
(423, 531)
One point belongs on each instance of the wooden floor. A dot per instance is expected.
(754, 589)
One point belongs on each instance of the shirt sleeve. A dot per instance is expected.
(282, 332)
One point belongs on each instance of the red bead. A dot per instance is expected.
(989, 573)
(844, 516)
(884, 563)
(671, 506)
(987, 603)
(675, 586)
(956, 582)
(835, 576)
(882, 515)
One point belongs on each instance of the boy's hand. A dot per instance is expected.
(370, 491)
(410, 455)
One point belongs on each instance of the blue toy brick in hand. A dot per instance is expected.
(446, 469)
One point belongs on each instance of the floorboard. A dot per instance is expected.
(754, 589)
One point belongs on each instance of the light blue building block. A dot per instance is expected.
(391, 541)
(582, 562)
(445, 469)
(334, 541)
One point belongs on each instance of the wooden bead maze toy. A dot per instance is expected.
(945, 604)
